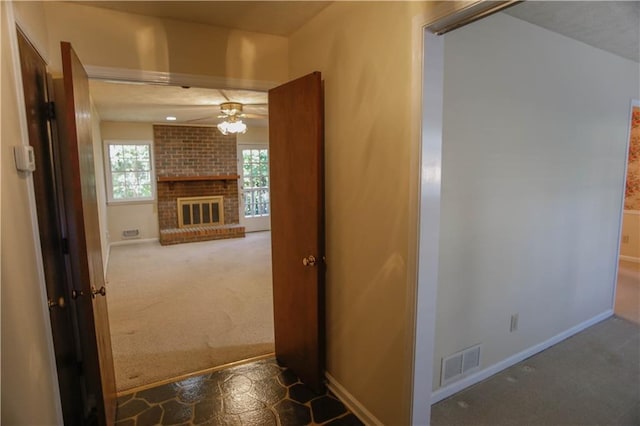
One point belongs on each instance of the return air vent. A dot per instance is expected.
(459, 364)
(130, 233)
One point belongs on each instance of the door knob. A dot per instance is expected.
(59, 303)
(101, 292)
(309, 261)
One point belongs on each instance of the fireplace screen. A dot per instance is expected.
(200, 211)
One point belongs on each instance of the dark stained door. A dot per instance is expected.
(296, 136)
(61, 310)
(73, 110)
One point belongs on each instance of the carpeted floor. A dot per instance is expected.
(592, 378)
(178, 309)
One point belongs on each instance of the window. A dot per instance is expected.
(255, 182)
(128, 170)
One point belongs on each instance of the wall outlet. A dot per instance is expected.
(514, 323)
(625, 239)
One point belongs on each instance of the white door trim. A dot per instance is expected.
(255, 224)
(429, 226)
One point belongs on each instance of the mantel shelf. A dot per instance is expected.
(173, 179)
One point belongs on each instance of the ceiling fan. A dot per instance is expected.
(233, 109)
(184, 104)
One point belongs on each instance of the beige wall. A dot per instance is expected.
(28, 375)
(254, 135)
(532, 183)
(108, 38)
(366, 53)
(143, 215)
(630, 244)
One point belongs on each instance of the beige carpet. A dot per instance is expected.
(591, 378)
(178, 309)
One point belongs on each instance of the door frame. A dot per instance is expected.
(12, 25)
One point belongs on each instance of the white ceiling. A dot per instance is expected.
(153, 103)
(612, 26)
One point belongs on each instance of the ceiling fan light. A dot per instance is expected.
(235, 126)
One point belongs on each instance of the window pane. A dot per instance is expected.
(255, 181)
(130, 166)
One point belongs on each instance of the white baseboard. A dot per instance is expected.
(351, 402)
(630, 259)
(456, 387)
(133, 241)
(123, 243)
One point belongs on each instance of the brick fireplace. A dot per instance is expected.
(195, 161)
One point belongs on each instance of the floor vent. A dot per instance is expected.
(459, 364)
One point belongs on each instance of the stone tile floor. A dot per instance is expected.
(256, 394)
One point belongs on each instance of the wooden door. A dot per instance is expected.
(296, 133)
(45, 181)
(73, 111)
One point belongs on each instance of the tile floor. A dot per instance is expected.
(258, 393)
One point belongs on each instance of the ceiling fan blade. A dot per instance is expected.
(257, 116)
(206, 118)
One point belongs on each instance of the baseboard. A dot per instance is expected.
(122, 243)
(456, 387)
(630, 259)
(351, 402)
(133, 241)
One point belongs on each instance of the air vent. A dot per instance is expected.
(452, 367)
(131, 233)
(455, 366)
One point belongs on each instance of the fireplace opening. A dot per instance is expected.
(199, 211)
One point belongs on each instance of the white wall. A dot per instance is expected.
(28, 374)
(535, 130)
(139, 215)
(259, 135)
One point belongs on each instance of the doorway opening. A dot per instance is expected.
(627, 295)
(185, 298)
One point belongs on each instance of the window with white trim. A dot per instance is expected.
(128, 168)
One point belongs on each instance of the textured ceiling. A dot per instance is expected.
(613, 26)
(270, 17)
(153, 103)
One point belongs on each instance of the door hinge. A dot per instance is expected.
(50, 110)
(65, 246)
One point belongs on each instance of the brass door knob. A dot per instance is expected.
(309, 260)
(59, 303)
(101, 292)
